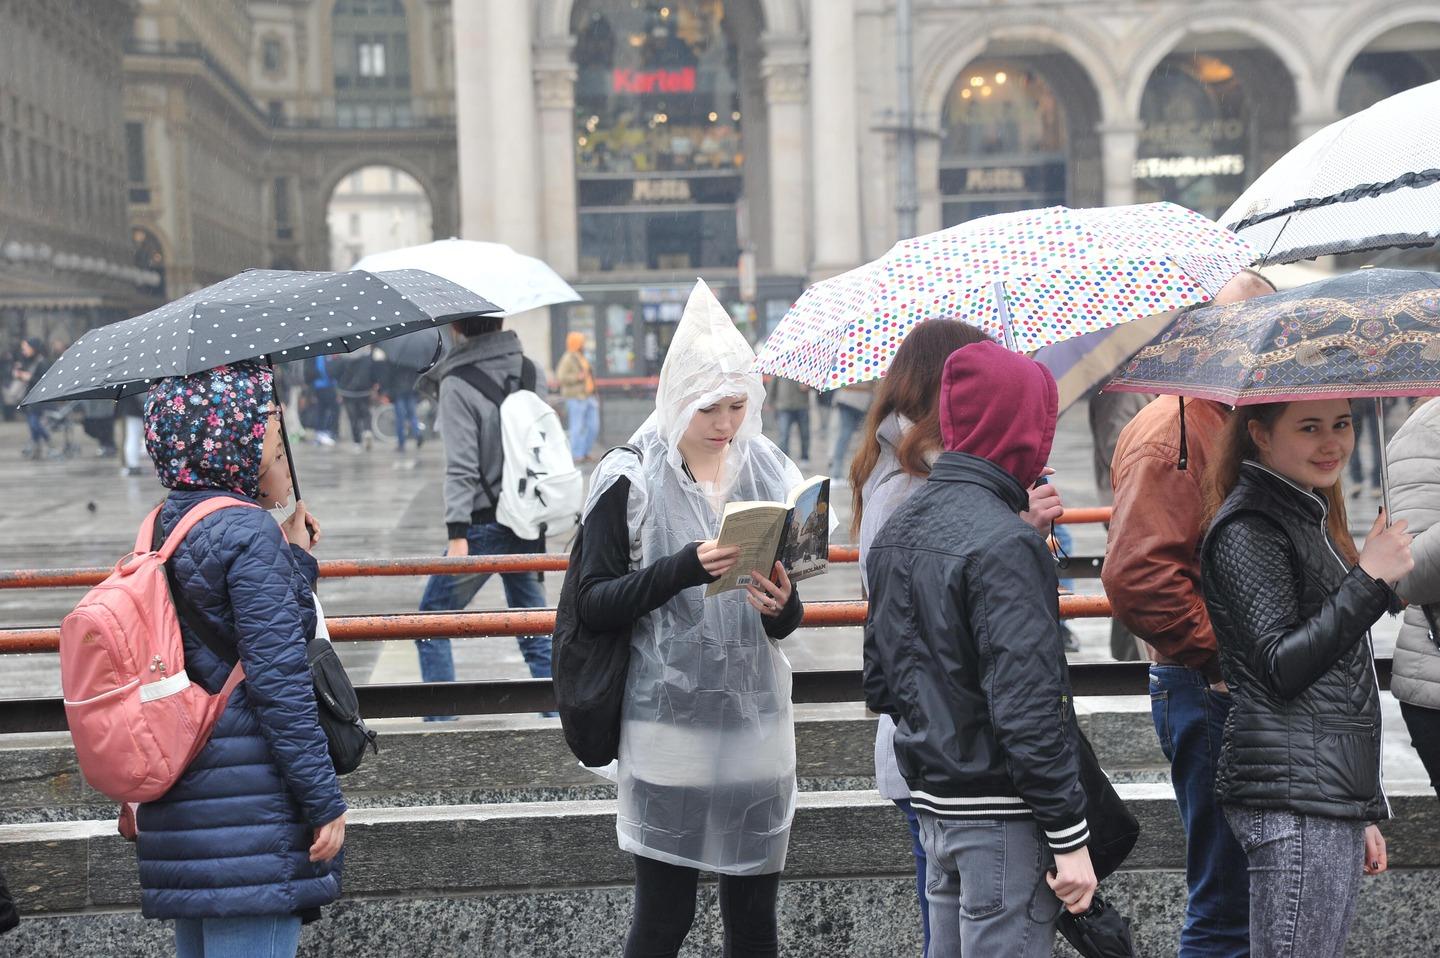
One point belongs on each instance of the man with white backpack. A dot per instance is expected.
(509, 479)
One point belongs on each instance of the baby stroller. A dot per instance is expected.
(59, 421)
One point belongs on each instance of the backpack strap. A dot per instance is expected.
(481, 382)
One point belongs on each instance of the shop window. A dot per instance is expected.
(1004, 145)
(657, 135)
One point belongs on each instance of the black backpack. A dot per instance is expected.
(336, 703)
(589, 672)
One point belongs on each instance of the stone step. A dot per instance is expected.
(529, 878)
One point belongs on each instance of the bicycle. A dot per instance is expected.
(382, 419)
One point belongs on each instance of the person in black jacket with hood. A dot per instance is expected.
(1292, 604)
(963, 650)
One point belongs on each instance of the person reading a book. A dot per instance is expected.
(706, 768)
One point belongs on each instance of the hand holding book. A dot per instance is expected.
(769, 595)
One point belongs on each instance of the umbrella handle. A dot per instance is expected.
(1384, 460)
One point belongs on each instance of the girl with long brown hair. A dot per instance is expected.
(1292, 604)
(900, 441)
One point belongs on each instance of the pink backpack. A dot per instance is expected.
(136, 718)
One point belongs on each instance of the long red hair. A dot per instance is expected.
(911, 388)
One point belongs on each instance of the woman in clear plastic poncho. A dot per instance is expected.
(707, 750)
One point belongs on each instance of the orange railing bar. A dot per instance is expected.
(428, 565)
(440, 625)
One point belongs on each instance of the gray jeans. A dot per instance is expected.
(1305, 875)
(985, 880)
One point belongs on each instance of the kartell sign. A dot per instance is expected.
(652, 81)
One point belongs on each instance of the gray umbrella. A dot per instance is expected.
(271, 314)
(280, 315)
(416, 351)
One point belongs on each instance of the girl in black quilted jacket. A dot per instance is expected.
(1292, 604)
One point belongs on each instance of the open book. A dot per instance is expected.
(795, 532)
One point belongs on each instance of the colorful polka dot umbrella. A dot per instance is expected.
(1028, 279)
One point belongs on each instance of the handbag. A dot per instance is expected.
(1114, 830)
(589, 672)
(336, 705)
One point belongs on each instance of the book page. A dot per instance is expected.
(756, 527)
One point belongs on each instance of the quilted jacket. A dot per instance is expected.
(233, 836)
(962, 649)
(1293, 620)
(1413, 455)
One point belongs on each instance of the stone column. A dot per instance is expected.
(1119, 146)
(834, 157)
(786, 82)
(555, 91)
(473, 138)
(1307, 125)
(511, 133)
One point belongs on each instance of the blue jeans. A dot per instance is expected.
(788, 419)
(985, 881)
(259, 936)
(1305, 875)
(38, 432)
(919, 850)
(584, 423)
(850, 420)
(405, 416)
(450, 593)
(1190, 721)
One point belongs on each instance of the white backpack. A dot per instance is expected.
(541, 492)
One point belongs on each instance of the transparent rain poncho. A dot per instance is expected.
(706, 771)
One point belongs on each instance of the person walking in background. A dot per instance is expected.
(357, 377)
(1367, 430)
(28, 371)
(131, 411)
(851, 405)
(1414, 457)
(900, 442)
(474, 459)
(577, 388)
(1152, 576)
(319, 377)
(398, 383)
(1292, 605)
(707, 746)
(266, 773)
(791, 402)
(962, 650)
(100, 425)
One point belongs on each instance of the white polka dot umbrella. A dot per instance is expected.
(279, 315)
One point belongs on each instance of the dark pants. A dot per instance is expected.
(327, 410)
(665, 910)
(357, 409)
(38, 432)
(1424, 726)
(796, 419)
(919, 852)
(1190, 721)
(405, 417)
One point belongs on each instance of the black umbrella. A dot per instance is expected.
(416, 351)
(1101, 932)
(276, 315)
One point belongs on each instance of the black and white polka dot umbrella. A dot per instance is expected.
(280, 315)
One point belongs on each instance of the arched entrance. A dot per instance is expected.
(373, 209)
(1211, 121)
(1018, 132)
(1396, 61)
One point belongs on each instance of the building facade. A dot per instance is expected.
(66, 257)
(636, 144)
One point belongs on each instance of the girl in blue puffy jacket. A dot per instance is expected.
(247, 844)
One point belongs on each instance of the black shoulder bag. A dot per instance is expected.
(337, 705)
(589, 672)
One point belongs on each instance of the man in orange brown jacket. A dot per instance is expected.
(1152, 576)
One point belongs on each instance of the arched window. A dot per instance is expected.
(371, 47)
(1375, 76)
(1005, 146)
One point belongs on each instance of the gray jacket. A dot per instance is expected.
(884, 492)
(470, 425)
(1414, 457)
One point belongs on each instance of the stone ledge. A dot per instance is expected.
(514, 759)
(438, 851)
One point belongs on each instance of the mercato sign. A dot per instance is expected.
(653, 81)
